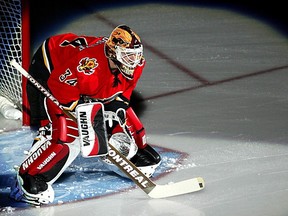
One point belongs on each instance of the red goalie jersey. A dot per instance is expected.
(79, 66)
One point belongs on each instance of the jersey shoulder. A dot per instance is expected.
(72, 40)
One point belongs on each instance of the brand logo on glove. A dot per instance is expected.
(87, 65)
(84, 128)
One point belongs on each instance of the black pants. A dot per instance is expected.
(39, 72)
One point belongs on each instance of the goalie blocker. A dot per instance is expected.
(92, 129)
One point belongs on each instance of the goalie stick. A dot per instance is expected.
(140, 179)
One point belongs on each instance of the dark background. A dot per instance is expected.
(46, 15)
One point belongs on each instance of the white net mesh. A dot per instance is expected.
(10, 47)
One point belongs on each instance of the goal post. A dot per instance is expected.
(15, 44)
(25, 57)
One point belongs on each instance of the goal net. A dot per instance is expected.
(11, 43)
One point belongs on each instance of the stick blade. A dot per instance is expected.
(178, 188)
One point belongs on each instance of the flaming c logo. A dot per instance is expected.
(87, 65)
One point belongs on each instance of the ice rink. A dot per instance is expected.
(215, 87)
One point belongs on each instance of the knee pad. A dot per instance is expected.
(64, 128)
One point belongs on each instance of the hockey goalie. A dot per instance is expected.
(93, 79)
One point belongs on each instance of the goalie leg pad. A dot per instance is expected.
(43, 166)
(44, 158)
(49, 160)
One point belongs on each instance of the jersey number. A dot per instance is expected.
(63, 77)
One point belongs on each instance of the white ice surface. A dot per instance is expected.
(234, 130)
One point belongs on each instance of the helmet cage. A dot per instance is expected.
(129, 57)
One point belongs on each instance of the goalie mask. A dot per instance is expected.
(125, 49)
